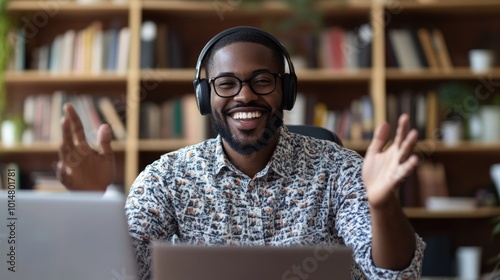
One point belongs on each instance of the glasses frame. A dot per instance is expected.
(247, 81)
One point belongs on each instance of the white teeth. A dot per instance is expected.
(247, 115)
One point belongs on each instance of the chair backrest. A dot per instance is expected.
(316, 132)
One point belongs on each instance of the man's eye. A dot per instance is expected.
(226, 84)
(262, 82)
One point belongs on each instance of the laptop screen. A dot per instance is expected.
(184, 262)
(67, 235)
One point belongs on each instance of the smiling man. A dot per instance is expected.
(258, 184)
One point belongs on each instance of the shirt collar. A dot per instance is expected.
(279, 163)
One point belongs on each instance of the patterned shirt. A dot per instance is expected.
(309, 193)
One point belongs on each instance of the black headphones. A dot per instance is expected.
(202, 86)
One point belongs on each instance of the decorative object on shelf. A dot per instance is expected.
(454, 100)
(305, 14)
(481, 60)
(451, 132)
(12, 130)
(4, 52)
(490, 127)
(469, 262)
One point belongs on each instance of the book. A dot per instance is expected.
(56, 116)
(148, 45)
(68, 47)
(442, 50)
(123, 50)
(110, 116)
(193, 123)
(404, 48)
(162, 46)
(431, 126)
(428, 47)
(150, 120)
(432, 181)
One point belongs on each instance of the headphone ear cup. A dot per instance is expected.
(202, 90)
(289, 88)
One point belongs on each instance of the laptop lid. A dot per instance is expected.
(184, 262)
(71, 235)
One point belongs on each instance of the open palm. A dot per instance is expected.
(80, 167)
(384, 169)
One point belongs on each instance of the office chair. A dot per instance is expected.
(316, 132)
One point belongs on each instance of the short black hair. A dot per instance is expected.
(250, 36)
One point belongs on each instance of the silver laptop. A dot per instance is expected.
(184, 262)
(78, 236)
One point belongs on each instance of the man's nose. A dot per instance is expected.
(246, 94)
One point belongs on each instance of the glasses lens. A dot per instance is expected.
(227, 85)
(263, 83)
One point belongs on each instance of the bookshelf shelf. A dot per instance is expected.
(479, 213)
(46, 77)
(327, 75)
(462, 73)
(39, 148)
(266, 8)
(168, 75)
(162, 145)
(433, 146)
(450, 7)
(303, 75)
(71, 8)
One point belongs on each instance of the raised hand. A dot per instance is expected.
(384, 169)
(80, 167)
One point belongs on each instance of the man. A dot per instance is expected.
(257, 183)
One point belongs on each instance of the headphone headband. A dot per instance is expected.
(226, 32)
(202, 87)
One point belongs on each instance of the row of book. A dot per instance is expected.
(176, 117)
(94, 50)
(341, 48)
(422, 108)
(160, 46)
(353, 123)
(91, 51)
(42, 116)
(417, 48)
(12, 177)
(357, 121)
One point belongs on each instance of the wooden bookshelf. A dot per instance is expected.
(466, 162)
(479, 213)
(45, 77)
(40, 148)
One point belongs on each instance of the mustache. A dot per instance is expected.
(254, 104)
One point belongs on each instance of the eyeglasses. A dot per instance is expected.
(260, 83)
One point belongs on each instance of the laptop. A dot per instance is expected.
(70, 235)
(184, 262)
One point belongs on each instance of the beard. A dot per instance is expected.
(221, 127)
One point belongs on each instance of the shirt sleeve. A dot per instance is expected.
(353, 223)
(149, 215)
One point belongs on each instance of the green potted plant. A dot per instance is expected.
(453, 97)
(4, 52)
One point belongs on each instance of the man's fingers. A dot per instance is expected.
(75, 123)
(104, 137)
(379, 140)
(408, 144)
(402, 129)
(67, 140)
(407, 167)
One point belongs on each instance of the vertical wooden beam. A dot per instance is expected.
(377, 85)
(133, 95)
